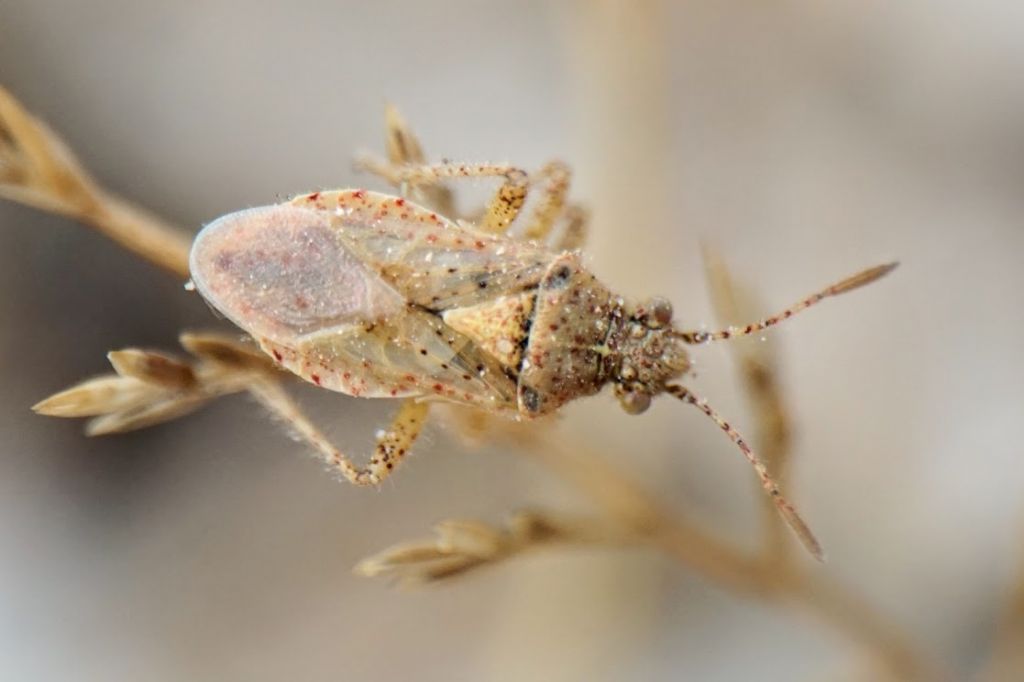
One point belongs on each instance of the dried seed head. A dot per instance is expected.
(226, 350)
(98, 396)
(153, 368)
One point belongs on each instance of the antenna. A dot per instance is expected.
(786, 509)
(848, 284)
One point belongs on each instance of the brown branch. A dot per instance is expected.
(736, 305)
(37, 169)
(628, 503)
(460, 546)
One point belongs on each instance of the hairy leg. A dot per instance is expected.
(392, 445)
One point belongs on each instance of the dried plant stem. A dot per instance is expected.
(625, 96)
(39, 170)
(141, 233)
(1006, 659)
(735, 305)
(628, 503)
(460, 545)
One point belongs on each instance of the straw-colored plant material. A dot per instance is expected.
(734, 305)
(1006, 659)
(38, 169)
(149, 388)
(460, 546)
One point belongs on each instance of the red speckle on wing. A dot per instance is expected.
(315, 378)
(277, 355)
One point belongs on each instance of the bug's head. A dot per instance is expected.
(651, 355)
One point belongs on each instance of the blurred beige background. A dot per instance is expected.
(805, 140)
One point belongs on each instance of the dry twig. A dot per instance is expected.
(734, 305)
(37, 169)
(149, 388)
(461, 545)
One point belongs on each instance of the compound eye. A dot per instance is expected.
(660, 313)
(635, 403)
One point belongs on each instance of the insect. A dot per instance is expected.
(376, 296)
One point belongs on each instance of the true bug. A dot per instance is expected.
(373, 295)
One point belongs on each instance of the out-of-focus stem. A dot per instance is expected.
(630, 504)
(38, 169)
(142, 233)
(735, 306)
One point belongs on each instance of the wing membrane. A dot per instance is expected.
(282, 272)
(412, 353)
(428, 259)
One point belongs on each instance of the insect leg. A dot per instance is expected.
(786, 509)
(849, 284)
(574, 234)
(404, 148)
(392, 445)
(503, 207)
(554, 178)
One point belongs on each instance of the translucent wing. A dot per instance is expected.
(411, 353)
(427, 258)
(283, 274)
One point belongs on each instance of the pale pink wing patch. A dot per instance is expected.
(281, 273)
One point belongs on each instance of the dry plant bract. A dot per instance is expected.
(461, 545)
(149, 388)
(485, 311)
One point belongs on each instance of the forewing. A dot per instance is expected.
(427, 258)
(409, 353)
(282, 272)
